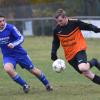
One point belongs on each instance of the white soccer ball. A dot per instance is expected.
(58, 65)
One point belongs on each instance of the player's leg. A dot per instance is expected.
(41, 76)
(9, 64)
(79, 62)
(80, 68)
(27, 64)
(94, 62)
(85, 69)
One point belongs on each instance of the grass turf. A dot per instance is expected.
(68, 85)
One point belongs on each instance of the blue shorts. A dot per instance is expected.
(24, 61)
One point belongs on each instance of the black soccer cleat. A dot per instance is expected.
(97, 63)
(49, 88)
(26, 88)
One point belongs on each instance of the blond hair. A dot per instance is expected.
(60, 12)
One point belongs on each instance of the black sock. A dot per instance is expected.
(96, 79)
(92, 63)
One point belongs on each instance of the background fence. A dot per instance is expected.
(45, 25)
(34, 26)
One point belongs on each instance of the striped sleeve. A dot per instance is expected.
(18, 36)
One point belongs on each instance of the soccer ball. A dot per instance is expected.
(58, 65)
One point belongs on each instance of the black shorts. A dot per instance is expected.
(80, 57)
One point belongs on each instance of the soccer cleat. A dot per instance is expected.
(26, 88)
(97, 65)
(49, 87)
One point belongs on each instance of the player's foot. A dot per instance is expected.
(97, 63)
(49, 87)
(26, 88)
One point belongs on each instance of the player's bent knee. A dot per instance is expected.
(8, 67)
(83, 67)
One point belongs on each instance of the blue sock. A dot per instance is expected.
(19, 80)
(43, 79)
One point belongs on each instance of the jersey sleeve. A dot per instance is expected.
(55, 46)
(17, 35)
(87, 26)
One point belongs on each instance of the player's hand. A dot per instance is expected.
(53, 56)
(10, 45)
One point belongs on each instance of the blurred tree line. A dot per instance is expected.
(24, 2)
(44, 8)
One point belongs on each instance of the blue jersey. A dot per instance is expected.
(10, 34)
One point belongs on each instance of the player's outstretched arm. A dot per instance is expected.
(88, 26)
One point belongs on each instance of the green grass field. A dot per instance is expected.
(68, 85)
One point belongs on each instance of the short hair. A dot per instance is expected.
(60, 12)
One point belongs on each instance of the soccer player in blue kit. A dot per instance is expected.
(13, 53)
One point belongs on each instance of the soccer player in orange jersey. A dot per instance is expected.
(68, 34)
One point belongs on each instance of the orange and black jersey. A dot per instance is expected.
(71, 38)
